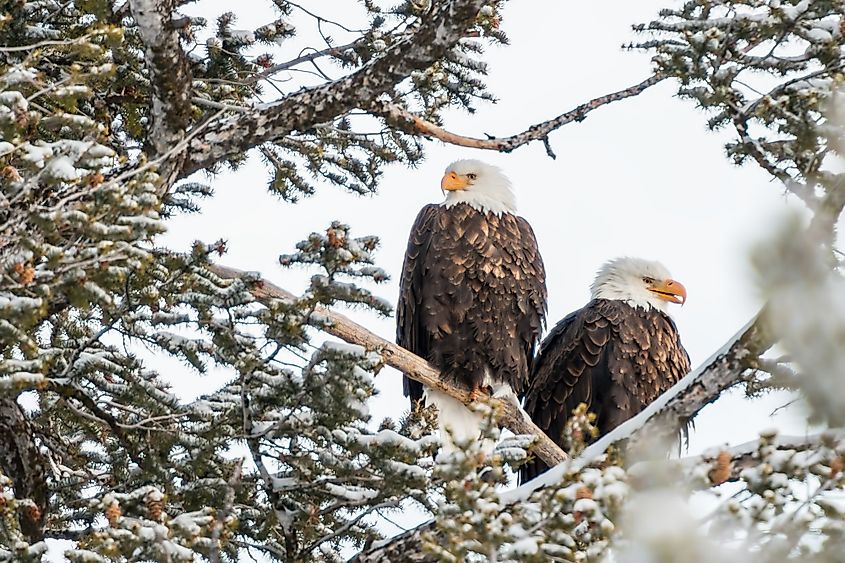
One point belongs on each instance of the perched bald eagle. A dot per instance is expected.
(472, 296)
(617, 354)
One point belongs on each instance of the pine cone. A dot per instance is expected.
(155, 505)
(113, 514)
(721, 470)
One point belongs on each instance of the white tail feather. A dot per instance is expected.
(456, 422)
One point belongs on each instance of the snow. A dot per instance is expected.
(61, 168)
(242, 36)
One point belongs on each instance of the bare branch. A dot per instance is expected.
(410, 123)
(510, 414)
(446, 24)
(170, 77)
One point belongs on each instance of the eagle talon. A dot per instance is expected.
(478, 393)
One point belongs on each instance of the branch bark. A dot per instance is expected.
(406, 547)
(410, 123)
(446, 24)
(22, 462)
(170, 78)
(659, 421)
(510, 414)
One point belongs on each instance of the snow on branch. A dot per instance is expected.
(410, 123)
(510, 414)
(438, 32)
(170, 77)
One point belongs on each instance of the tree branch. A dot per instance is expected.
(660, 422)
(410, 123)
(23, 463)
(510, 414)
(170, 78)
(438, 33)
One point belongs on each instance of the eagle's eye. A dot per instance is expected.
(472, 176)
(648, 280)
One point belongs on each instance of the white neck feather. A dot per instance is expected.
(498, 203)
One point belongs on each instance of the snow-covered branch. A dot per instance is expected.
(230, 137)
(724, 464)
(170, 79)
(410, 123)
(510, 414)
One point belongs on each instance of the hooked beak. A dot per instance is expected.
(669, 290)
(452, 181)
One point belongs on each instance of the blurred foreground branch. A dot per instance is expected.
(510, 414)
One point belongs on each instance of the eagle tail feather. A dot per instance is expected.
(456, 422)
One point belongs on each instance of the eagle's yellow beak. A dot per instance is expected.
(669, 290)
(452, 181)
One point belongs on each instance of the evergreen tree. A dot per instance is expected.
(106, 109)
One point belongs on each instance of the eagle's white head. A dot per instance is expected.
(478, 184)
(638, 282)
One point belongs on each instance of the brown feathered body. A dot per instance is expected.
(614, 357)
(472, 296)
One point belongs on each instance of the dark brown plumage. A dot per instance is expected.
(472, 296)
(614, 357)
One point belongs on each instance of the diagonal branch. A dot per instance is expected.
(510, 414)
(410, 123)
(437, 33)
(170, 78)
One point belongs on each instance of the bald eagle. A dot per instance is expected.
(472, 296)
(617, 354)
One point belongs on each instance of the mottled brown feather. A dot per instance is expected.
(472, 296)
(614, 357)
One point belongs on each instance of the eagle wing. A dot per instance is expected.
(472, 296)
(410, 334)
(608, 355)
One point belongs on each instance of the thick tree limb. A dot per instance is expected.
(22, 462)
(230, 137)
(510, 414)
(170, 77)
(410, 123)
